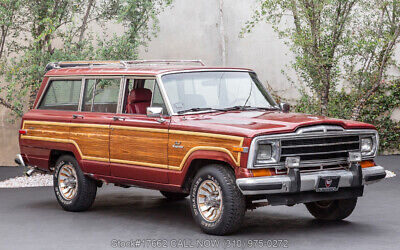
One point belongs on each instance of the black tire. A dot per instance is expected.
(174, 196)
(86, 188)
(332, 210)
(233, 207)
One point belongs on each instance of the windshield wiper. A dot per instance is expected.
(265, 108)
(234, 108)
(247, 108)
(194, 110)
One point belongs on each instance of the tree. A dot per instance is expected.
(139, 18)
(51, 20)
(343, 50)
(9, 23)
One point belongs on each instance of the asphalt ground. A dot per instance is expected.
(30, 218)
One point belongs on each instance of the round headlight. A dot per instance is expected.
(264, 152)
(366, 144)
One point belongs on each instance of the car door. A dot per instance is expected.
(138, 143)
(49, 122)
(90, 127)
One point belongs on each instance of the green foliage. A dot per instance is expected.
(343, 50)
(58, 22)
(10, 20)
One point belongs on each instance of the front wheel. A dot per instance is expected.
(74, 191)
(332, 210)
(217, 204)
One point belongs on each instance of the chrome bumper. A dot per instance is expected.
(307, 181)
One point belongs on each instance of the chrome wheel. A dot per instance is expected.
(209, 200)
(67, 182)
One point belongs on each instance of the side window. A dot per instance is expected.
(62, 95)
(101, 95)
(140, 94)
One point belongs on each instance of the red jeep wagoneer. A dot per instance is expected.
(213, 134)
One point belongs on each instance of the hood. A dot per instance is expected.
(253, 123)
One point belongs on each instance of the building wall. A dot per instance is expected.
(191, 30)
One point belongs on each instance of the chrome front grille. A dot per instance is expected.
(323, 149)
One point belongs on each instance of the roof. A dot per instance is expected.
(140, 67)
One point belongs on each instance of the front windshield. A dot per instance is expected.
(196, 91)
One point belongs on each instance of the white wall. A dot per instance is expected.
(190, 30)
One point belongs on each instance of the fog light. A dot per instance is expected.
(354, 157)
(292, 162)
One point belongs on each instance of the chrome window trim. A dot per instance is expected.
(121, 94)
(169, 106)
(81, 94)
(297, 135)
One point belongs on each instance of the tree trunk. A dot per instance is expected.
(3, 40)
(85, 20)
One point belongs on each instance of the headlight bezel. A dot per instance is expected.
(374, 147)
(275, 152)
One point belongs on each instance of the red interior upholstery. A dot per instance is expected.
(138, 101)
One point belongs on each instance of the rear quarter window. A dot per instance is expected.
(62, 95)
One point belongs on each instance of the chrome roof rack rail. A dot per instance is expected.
(71, 64)
(126, 64)
(162, 62)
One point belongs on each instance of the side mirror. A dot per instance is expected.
(154, 112)
(285, 107)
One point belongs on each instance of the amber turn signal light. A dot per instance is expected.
(263, 172)
(367, 164)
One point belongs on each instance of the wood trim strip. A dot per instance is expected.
(155, 130)
(220, 136)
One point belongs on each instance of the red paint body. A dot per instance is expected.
(247, 124)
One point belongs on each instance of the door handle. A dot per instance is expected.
(77, 116)
(119, 118)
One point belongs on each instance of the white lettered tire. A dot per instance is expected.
(75, 192)
(217, 204)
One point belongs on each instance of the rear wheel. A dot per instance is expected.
(74, 191)
(174, 196)
(217, 204)
(332, 210)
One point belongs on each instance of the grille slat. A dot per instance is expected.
(319, 148)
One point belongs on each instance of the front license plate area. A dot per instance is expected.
(328, 184)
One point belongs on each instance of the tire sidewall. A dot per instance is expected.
(193, 200)
(64, 160)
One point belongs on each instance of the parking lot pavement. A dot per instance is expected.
(31, 219)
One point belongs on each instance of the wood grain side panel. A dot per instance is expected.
(190, 143)
(56, 131)
(92, 141)
(139, 146)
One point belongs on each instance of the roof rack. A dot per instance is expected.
(167, 62)
(126, 64)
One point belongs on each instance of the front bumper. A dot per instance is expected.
(301, 182)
